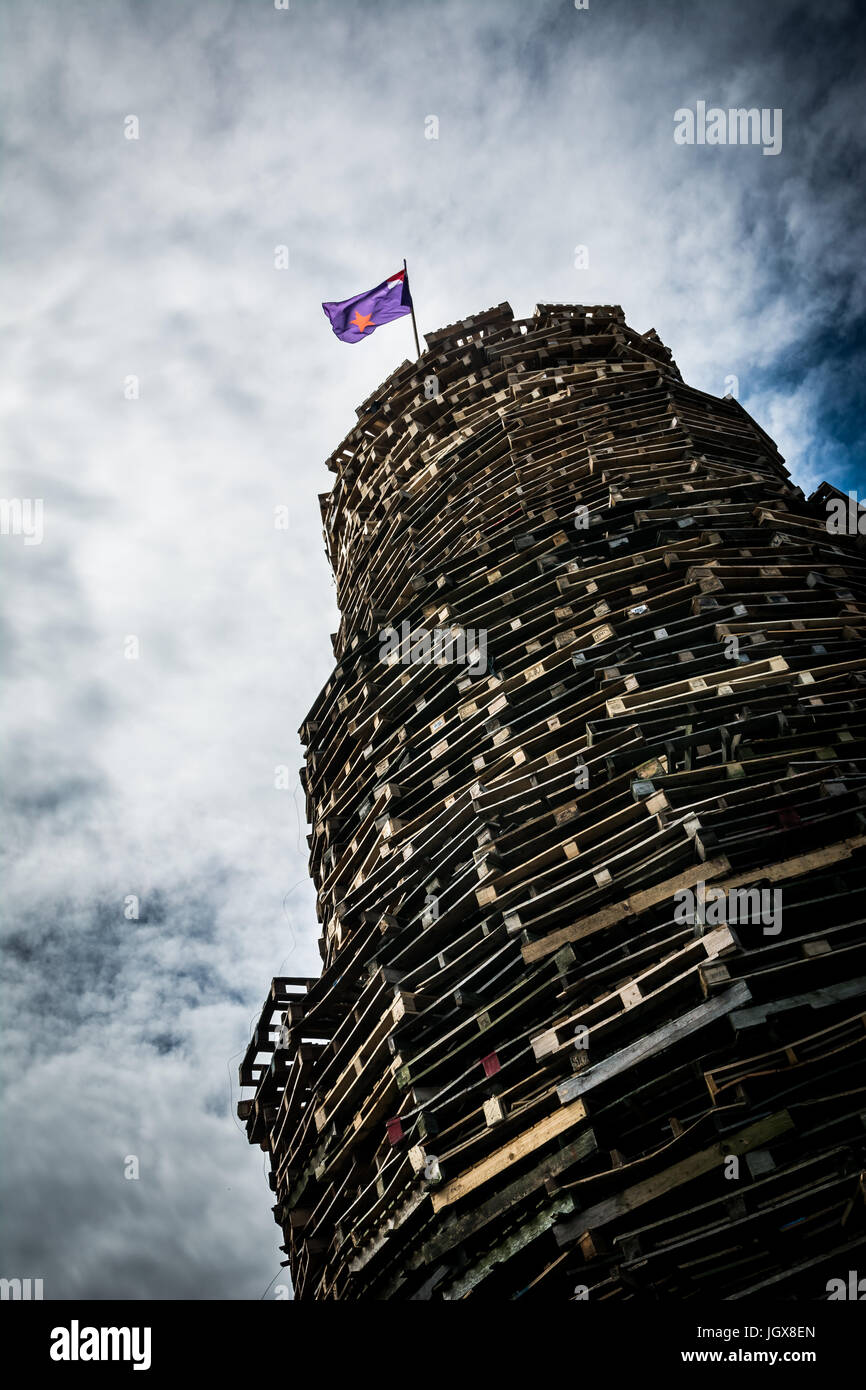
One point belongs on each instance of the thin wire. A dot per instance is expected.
(267, 1290)
(289, 920)
(229, 1061)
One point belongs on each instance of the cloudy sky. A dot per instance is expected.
(165, 387)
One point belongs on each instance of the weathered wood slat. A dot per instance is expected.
(541, 1133)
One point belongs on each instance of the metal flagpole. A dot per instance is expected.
(414, 324)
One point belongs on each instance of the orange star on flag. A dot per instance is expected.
(357, 317)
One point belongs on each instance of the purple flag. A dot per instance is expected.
(356, 318)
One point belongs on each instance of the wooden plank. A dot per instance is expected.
(813, 999)
(461, 1228)
(755, 1136)
(781, 870)
(510, 1153)
(638, 902)
(653, 1043)
(515, 1241)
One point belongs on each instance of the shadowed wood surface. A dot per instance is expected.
(550, 1054)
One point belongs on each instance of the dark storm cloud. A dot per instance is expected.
(153, 778)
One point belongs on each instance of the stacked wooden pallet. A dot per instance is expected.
(592, 1014)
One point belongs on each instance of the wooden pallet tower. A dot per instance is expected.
(591, 1022)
